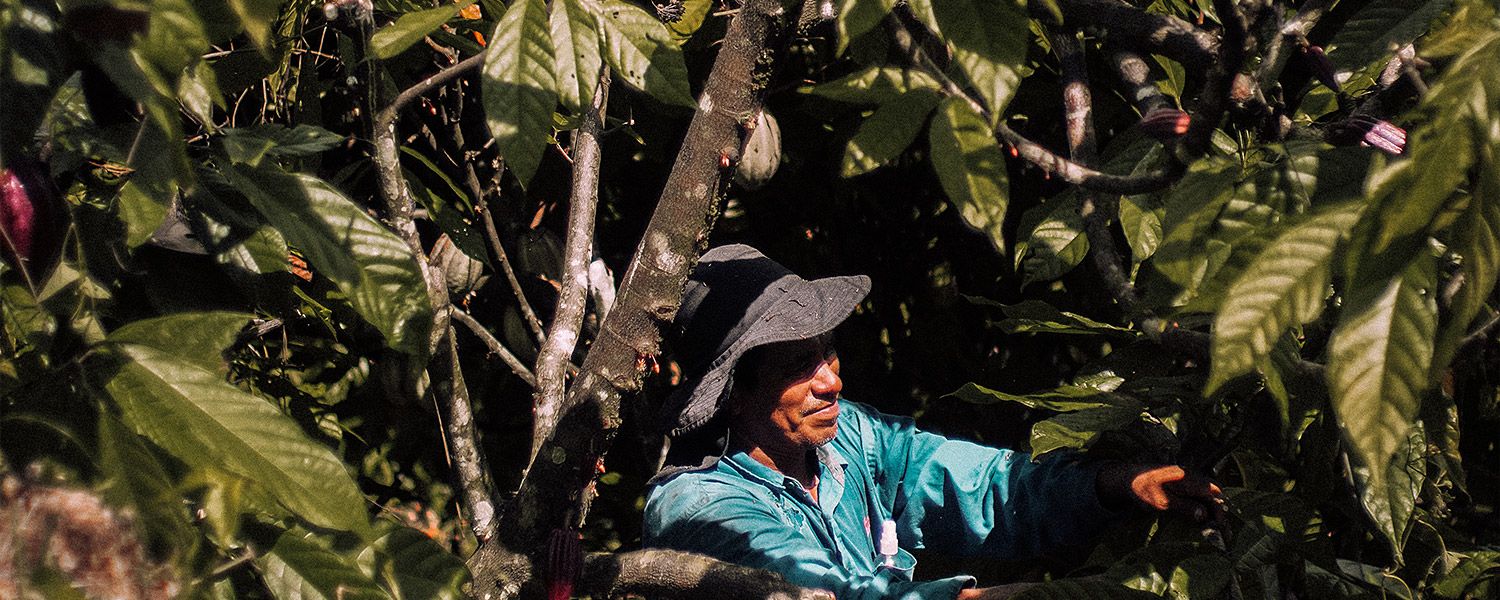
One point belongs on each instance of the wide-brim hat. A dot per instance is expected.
(737, 299)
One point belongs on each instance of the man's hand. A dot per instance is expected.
(1161, 487)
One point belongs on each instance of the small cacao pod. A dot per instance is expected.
(32, 219)
(762, 155)
(1165, 124)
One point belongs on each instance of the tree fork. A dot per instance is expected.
(558, 488)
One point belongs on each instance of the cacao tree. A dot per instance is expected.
(320, 300)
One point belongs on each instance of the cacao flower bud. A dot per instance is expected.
(1165, 124)
(1369, 131)
(1322, 68)
(32, 220)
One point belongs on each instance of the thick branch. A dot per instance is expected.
(558, 490)
(1135, 74)
(572, 299)
(1132, 27)
(670, 574)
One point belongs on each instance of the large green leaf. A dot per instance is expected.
(1186, 255)
(1378, 361)
(873, 85)
(249, 145)
(575, 40)
(1064, 399)
(1284, 286)
(200, 419)
(373, 267)
(1388, 491)
(519, 86)
(198, 337)
(1372, 32)
(1079, 430)
(1056, 244)
(299, 568)
(887, 133)
(971, 167)
(988, 38)
(642, 53)
(134, 477)
(1478, 242)
(856, 17)
(417, 567)
(410, 28)
(1474, 577)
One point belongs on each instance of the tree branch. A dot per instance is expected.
(1132, 27)
(558, 489)
(1135, 74)
(510, 360)
(467, 459)
(387, 115)
(572, 298)
(671, 574)
(493, 236)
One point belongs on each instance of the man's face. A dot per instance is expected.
(791, 400)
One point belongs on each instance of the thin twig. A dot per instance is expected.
(572, 298)
(387, 115)
(490, 233)
(484, 335)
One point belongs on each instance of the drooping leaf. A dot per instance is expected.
(199, 337)
(1036, 316)
(1080, 429)
(1140, 218)
(1474, 577)
(988, 40)
(1478, 242)
(249, 144)
(575, 39)
(641, 52)
(200, 419)
(1379, 356)
(1283, 287)
(873, 85)
(175, 38)
(694, 13)
(519, 86)
(971, 167)
(373, 267)
(1063, 399)
(888, 132)
(298, 568)
(856, 17)
(1056, 244)
(411, 27)
(1389, 491)
(1186, 256)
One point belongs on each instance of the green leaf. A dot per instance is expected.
(1378, 361)
(198, 337)
(1056, 244)
(134, 477)
(888, 132)
(299, 568)
(519, 86)
(1389, 493)
(193, 414)
(373, 267)
(694, 13)
(873, 85)
(1064, 399)
(641, 52)
(1380, 26)
(1478, 242)
(248, 145)
(422, 568)
(1140, 218)
(1473, 577)
(1284, 286)
(971, 167)
(1079, 430)
(141, 213)
(410, 28)
(1187, 255)
(575, 40)
(856, 17)
(988, 39)
(257, 16)
(175, 37)
(1036, 316)
(33, 64)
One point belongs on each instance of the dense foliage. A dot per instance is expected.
(265, 263)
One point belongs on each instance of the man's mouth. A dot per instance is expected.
(832, 405)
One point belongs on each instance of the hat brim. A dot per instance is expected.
(806, 312)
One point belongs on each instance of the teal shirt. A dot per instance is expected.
(959, 497)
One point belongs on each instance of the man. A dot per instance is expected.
(774, 470)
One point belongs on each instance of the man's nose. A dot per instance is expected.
(827, 380)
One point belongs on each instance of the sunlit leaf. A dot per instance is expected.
(373, 267)
(989, 40)
(1379, 27)
(519, 86)
(1056, 244)
(1079, 430)
(888, 132)
(856, 17)
(1478, 242)
(1474, 577)
(971, 167)
(641, 52)
(1284, 286)
(1379, 357)
(298, 568)
(1063, 399)
(575, 39)
(257, 17)
(134, 477)
(199, 337)
(873, 85)
(200, 419)
(411, 27)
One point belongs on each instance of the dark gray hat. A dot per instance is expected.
(736, 300)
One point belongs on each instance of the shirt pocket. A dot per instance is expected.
(902, 567)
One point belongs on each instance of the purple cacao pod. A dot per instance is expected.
(32, 220)
(1165, 124)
